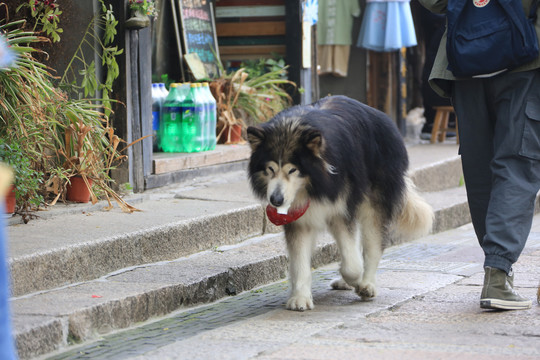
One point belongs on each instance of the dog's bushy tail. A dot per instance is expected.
(416, 217)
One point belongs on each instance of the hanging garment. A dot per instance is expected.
(336, 21)
(333, 59)
(387, 26)
(334, 35)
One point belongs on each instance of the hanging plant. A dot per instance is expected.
(140, 12)
(145, 7)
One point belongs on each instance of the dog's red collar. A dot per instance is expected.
(283, 219)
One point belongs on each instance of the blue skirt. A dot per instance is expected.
(387, 26)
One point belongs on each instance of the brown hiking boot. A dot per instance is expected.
(498, 293)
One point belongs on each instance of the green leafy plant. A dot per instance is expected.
(46, 14)
(29, 105)
(80, 77)
(259, 67)
(145, 7)
(59, 131)
(251, 95)
(27, 180)
(265, 95)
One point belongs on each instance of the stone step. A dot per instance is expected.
(47, 321)
(450, 207)
(80, 273)
(54, 320)
(69, 246)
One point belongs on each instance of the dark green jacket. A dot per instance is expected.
(440, 76)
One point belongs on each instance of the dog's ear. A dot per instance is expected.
(314, 142)
(255, 136)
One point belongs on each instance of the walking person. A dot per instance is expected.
(499, 130)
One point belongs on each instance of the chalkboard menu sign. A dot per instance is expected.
(199, 33)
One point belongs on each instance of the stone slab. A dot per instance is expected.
(170, 162)
(92, 254)
(120, 300)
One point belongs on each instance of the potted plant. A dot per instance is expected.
(88, 155)
(246, 97)
(265, 92)
(229, 121)
(26, 186)
(140, 12)
(61, 126)
(81, 163)
(27, 117)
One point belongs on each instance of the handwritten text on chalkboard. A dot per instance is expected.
(199, 32)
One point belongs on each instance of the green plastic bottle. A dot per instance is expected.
(191, 122)
(171, 125)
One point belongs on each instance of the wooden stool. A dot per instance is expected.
(440, 124)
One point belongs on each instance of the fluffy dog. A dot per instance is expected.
(344, 164)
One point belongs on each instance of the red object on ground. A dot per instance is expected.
(10, 200)
(283, 219)
(77, 190)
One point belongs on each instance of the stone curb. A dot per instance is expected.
(121, 266)
(59, 318)
(438, 176)
(67, 316)
(42, 270)
(90, 260)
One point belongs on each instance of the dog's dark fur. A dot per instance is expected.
(350, 162)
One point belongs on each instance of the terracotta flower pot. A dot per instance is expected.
(231, 135)
(77, 190)
(10, 200)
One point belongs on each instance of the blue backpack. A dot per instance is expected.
(489, 36)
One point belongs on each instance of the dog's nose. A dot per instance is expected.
(276, 199)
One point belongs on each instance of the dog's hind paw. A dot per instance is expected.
(300, 303)
(340, 284)
(366, 291)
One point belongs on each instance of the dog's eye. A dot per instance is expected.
(271, 169)
(293, 170)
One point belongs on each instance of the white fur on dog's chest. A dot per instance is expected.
(320, 212)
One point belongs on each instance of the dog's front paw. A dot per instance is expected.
(300, 303)
(366, 291)
(340, 284)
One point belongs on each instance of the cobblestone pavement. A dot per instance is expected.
(427, 308)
